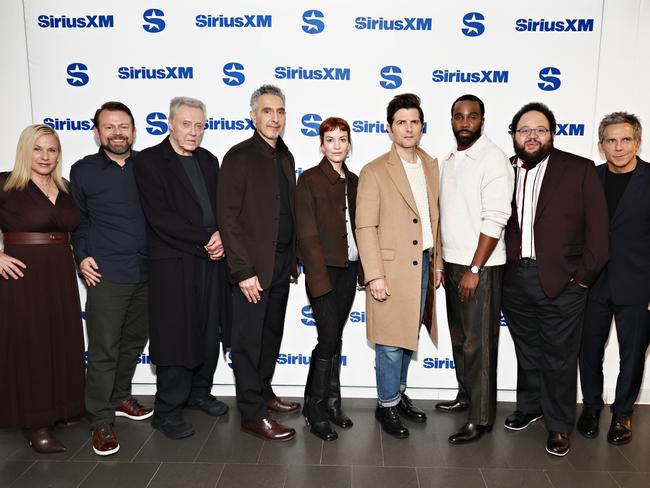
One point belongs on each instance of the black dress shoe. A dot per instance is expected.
(469, 433)
(588, 422)
(409, 411)
(519, 420)
(175, 427)
(620, 431)
(336, 416)
(390, 422)
(453, 406)
(322, 429)
(557, 443)
(209, 405)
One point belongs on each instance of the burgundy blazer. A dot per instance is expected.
(571, 224)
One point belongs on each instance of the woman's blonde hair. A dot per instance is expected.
(22, 172)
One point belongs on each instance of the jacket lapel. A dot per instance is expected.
(552, 178)
(174, 165)
(398, 175)
(634, 187)
(433, 181)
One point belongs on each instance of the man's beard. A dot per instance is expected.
(118, 151)
(468, 139)
(537, 156)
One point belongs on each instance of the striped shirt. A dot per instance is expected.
(527, 187)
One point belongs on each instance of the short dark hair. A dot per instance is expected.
(471, 98)
(535, 107)
(405, 100)
(333, 123)
(114, 107)
(619, 118)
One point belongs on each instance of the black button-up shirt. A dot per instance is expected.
(112, 229)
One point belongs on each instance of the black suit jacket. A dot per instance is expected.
(626, 279)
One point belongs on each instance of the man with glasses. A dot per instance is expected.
(556, 244)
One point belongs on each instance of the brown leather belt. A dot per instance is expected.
(36, 238)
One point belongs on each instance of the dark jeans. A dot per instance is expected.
(256, 337)
(117, 321)
(633, 333)
(474, 330)
(546, 332)
(331, 310)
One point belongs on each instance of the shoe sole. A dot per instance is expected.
(517, 429)
(106, 453)
(133, 417)
(557, 453)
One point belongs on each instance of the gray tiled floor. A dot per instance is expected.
(220, 455)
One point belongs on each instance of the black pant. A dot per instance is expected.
(331, 310)
(633, 333)
(546, 332)
(474, 330)
(256, 337)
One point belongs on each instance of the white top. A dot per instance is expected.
(418, 183)
(353, 252)
(475, 198)
(529, 183)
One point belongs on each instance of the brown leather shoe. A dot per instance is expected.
(104, 440)
(269, 429)
(276, 404)
(131, 409)
(43, 442)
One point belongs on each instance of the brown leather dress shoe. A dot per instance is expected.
(43, 442)
(276, 404)
(269, 429)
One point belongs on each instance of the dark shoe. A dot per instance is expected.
(269, 429)
(520, 420)
(334, 412)
(588, 422)
(336, 416)
(43, 442)
(104, 440)
(175, 427)
(620, 431)
(314, 408)
(131, 409)
(390, 422)
(209, 405)
(276, 404)
(557, 443)
(453, 406)
(322, 429)
(409, 411)
(469, 433)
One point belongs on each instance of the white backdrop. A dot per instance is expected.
(330, 58)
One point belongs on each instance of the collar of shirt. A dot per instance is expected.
(472, 152)
(280, 146)
(108, 161)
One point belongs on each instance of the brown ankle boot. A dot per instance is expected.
(43, 442)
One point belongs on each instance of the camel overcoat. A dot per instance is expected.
(389, 237)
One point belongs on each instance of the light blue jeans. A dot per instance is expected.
(391, 362)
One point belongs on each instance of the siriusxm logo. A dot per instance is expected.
(154, 20)
(473, 22)
(300, 359)
(307, 319)
(565, 25)
(312, 23)
(564, 130)
(502, 320)
(458, 76)
(68, 124)
(405, 24)
(436, 363)
(157, 124)
(311, 123)
(84, 22)
(77, 74)
(163, 73)
(550, 78)
(391, 78)
(234, 74)
(144, 359)
(225, 22)
(300, 73)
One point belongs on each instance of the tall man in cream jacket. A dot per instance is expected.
(396, 228)
(475, 193)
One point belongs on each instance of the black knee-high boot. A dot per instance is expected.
(334, 412)
(314, 408)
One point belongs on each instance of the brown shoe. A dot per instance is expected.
(131, 409)
(104, 440)
(269, 429)
(43, 442)
(276, 404)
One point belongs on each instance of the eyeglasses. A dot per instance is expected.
(529, 131)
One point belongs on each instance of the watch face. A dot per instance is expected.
(474, 269)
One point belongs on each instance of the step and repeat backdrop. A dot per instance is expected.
(332, 57)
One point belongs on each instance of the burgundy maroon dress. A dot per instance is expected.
(41, 337)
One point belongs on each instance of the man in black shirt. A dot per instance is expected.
(110, 249)
(623, 287)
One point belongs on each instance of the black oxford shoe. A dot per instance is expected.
(390, 422)
(409, 411)
(453, 406)
(469, 433)
(557, 443)
(519, 420)
(588, 422)
(620, 431)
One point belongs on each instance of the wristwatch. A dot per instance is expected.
(475, 269)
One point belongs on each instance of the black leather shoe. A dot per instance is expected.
(469, 433)
(519, 420)
(557, 443)
(390, 422)
(453, 406)
(620, 431)
(336, 416)
(209, 405)
(175, 427)
(322, 429)
(588, 422)
(406, 409)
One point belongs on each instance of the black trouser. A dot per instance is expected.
(331, 310)
(117, 322)
(474, 330)
(256, 337)
(546, 333)
(633, 333)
